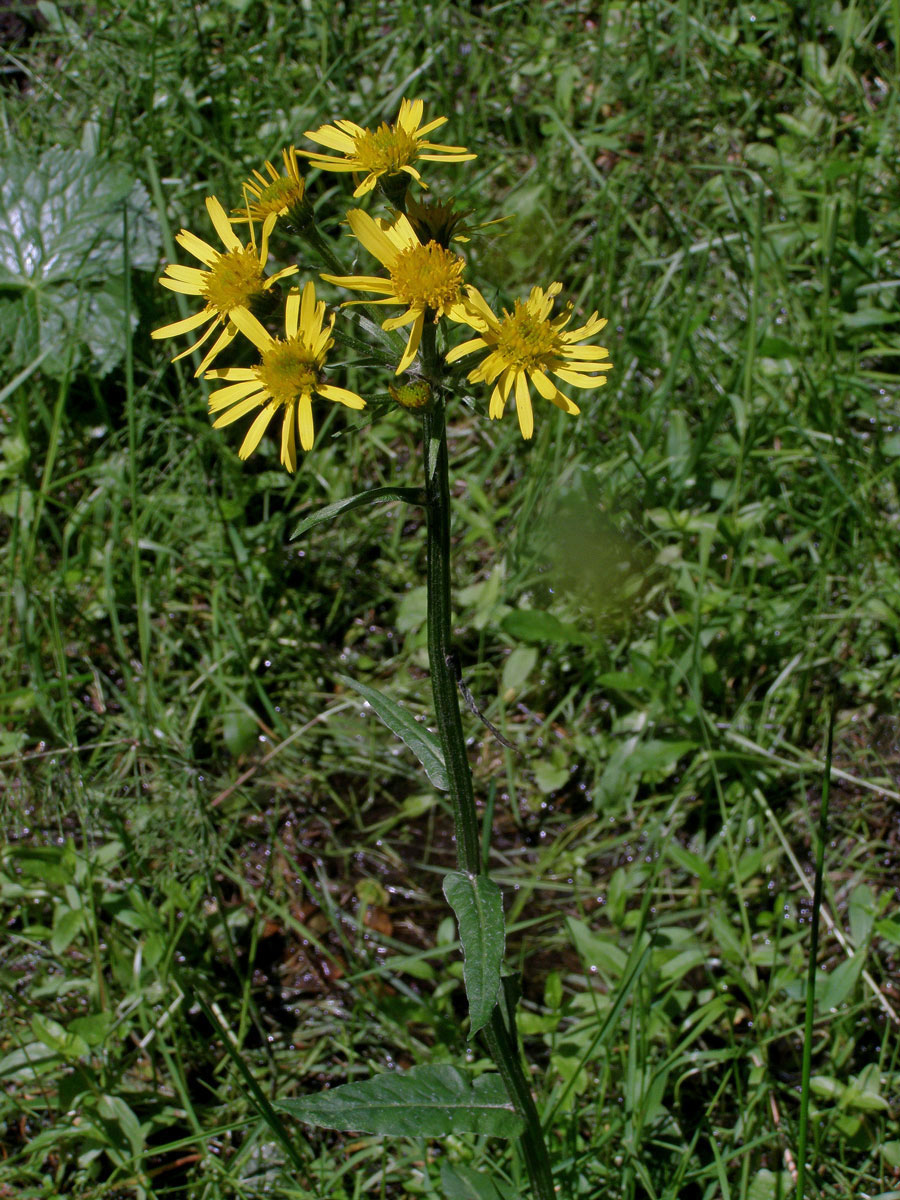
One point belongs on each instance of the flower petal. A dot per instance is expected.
(239, 410)
(184, 326)
(523, 405)
(465, 348)
(372, 237)
(288, 439)
(257, 429)
(196, 246)
(305, 421)
(225, 338)
(341, 395)
(361, 283)
(292, 311)
(576, 380)
(412, 345)
(334, 139)
(234, 392)
(217, 215)
(251, 328)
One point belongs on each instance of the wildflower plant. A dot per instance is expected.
(529, 345)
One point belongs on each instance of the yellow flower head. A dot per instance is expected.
(427, 279)
(525, 345)
(229, 284)
(289, 372)
(276, 196)
(385, 151)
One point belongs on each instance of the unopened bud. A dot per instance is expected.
(414, 395)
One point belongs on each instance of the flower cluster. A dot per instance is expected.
(423, 274)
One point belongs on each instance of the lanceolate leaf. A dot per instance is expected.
(416, 737)
(426, 1101)
(372, 496)
(478, 905)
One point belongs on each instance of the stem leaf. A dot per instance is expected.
(424, 745)
(478, 905)
(425, 1101)
(379, 495)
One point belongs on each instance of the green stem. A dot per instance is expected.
(501, 1042)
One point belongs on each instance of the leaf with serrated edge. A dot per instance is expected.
(478, 905)
(414, 736)
(374, 496)
(426, 1101)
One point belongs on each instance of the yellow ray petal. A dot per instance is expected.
(579, 381)
(217, 215)
(465, 348)
(230, 395)
(184, 326)
(288, 440)
(523, 405)
(292, 311)
(341, 395)
(435, 124)
(186, 274)
(305, 421)
(257, 429)
(196, 246)
(232, 374)
(412, 345)
(372, 237)
(366, 186)
(393, 323)
(225, 338)
(334, 139)
(239, 410)
(178, 285)
(410, 115)
(361, 283)
(251, 328)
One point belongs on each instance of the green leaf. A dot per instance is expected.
(460, 1182)
(839, 983)
(533, 625)
(62, 256)
(426, 1101)
(373, 496)
(67, 924)
(478, 904)
(424, 745)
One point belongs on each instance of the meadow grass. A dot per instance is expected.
(659, 602)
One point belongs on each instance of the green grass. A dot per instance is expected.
(199, 817)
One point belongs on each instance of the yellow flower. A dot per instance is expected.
(230, 283)
(526, 344)
(275, 197)
(427, 279)
(388, 150)
(287, 376)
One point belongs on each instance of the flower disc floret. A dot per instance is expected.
(234, 280)
(428, 276)
(268, 197)
(228, 283)
(428, 279)
(385, 152)
(289, 372)
(528, 346)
